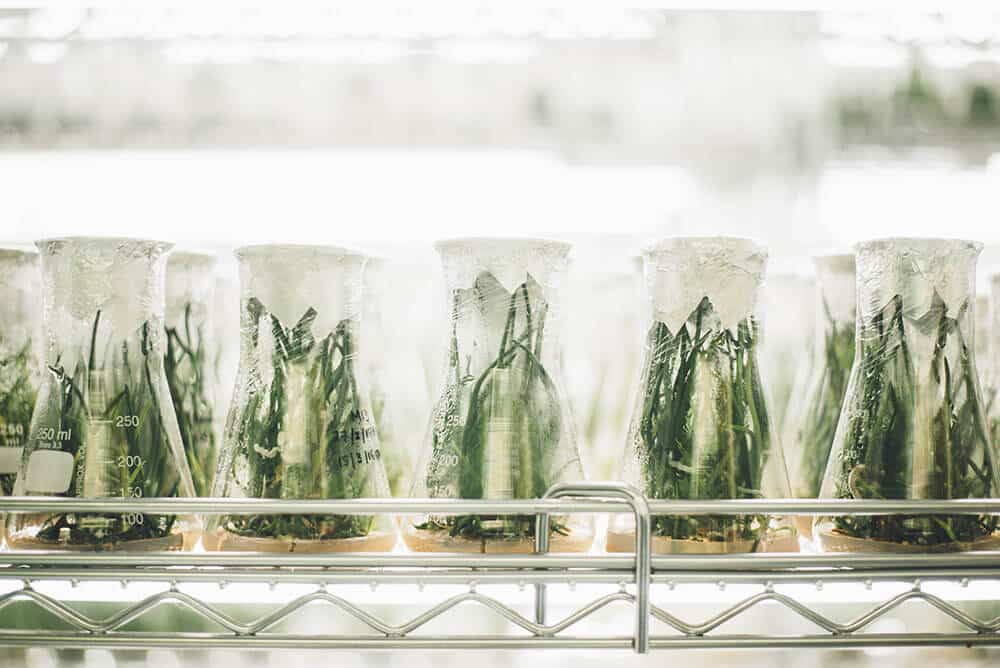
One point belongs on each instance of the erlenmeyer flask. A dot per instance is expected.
(20, 341)
(912, 425)
(103, 424)
(700, 428)
(501, 428)
(300, 425)
(189, 359)
(815, 407)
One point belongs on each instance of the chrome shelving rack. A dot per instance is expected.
(633, 579)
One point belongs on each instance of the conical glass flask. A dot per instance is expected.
(104, 424)
(189, 359)
(700, 428)
(300, 425)
(815, 407)
(501, 427)
(20, 342)
(912, 425)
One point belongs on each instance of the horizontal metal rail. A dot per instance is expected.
(137, 641)
(817, 563)
(421, 577)
(320, 577)
(213, 506)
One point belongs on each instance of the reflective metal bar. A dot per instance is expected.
(317, 576)
(640, 509)
(766, 561)
(484, 577)
(137, 641)
(354, 560)
(811, 576)
(663, 565)
(210, 506)
(827, 507)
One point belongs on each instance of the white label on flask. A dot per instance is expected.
(49, 471)
(10, 459)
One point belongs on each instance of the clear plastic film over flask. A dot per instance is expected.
(700, 428)
(300, 425)
(501, 427)
(189, 359)
(20, 334)
(103, 424)
(815, 406)
(912, 425)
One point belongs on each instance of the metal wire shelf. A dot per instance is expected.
(745, 584)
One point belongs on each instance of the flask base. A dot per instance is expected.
(831, 540)
(174, 542)
(226, 541)
(624, 541)
(423, 540)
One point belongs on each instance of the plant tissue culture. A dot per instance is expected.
(501, 428)
(103, 424)
(700, 427)
(912, 424)
(300, 425)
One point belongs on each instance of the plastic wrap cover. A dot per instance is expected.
(121, 278)
(682, 271)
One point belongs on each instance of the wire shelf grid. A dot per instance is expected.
(613, 583)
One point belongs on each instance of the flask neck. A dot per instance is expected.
(922, 276)
(289, 281)
(116, 282)
(681, 273)
(508, 262)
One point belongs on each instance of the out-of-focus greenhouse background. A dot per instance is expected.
(388, 129)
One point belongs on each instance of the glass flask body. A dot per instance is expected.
(300, 425)
(501, 427)
(103, 424)
(189, 359)
(912, 425)
(700, 428)
(20, 343)
(814, 411)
